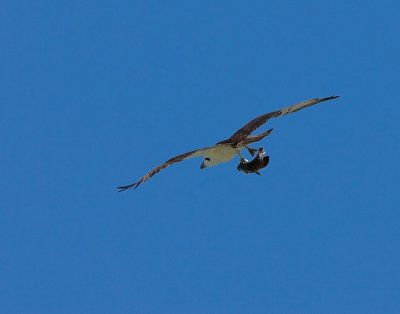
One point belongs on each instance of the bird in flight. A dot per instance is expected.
(225, 150)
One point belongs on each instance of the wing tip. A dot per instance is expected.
(128, 187)
(330, 97)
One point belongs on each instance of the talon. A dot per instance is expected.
(252, 151)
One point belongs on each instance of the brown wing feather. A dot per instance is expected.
(245, 131)
(193, 153)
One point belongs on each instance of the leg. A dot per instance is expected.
(252, 151)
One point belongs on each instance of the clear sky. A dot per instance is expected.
(96, 93)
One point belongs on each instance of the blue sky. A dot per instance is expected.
(96, 93)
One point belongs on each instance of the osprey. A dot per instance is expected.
(225, 150)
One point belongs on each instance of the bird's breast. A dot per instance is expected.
(223, 152)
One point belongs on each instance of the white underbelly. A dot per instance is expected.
(222, 153)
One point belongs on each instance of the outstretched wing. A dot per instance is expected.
(245, 131)
(173, 160)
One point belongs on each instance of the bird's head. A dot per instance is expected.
(206, 163)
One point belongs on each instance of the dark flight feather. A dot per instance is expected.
(147, 176)
(245, 131)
